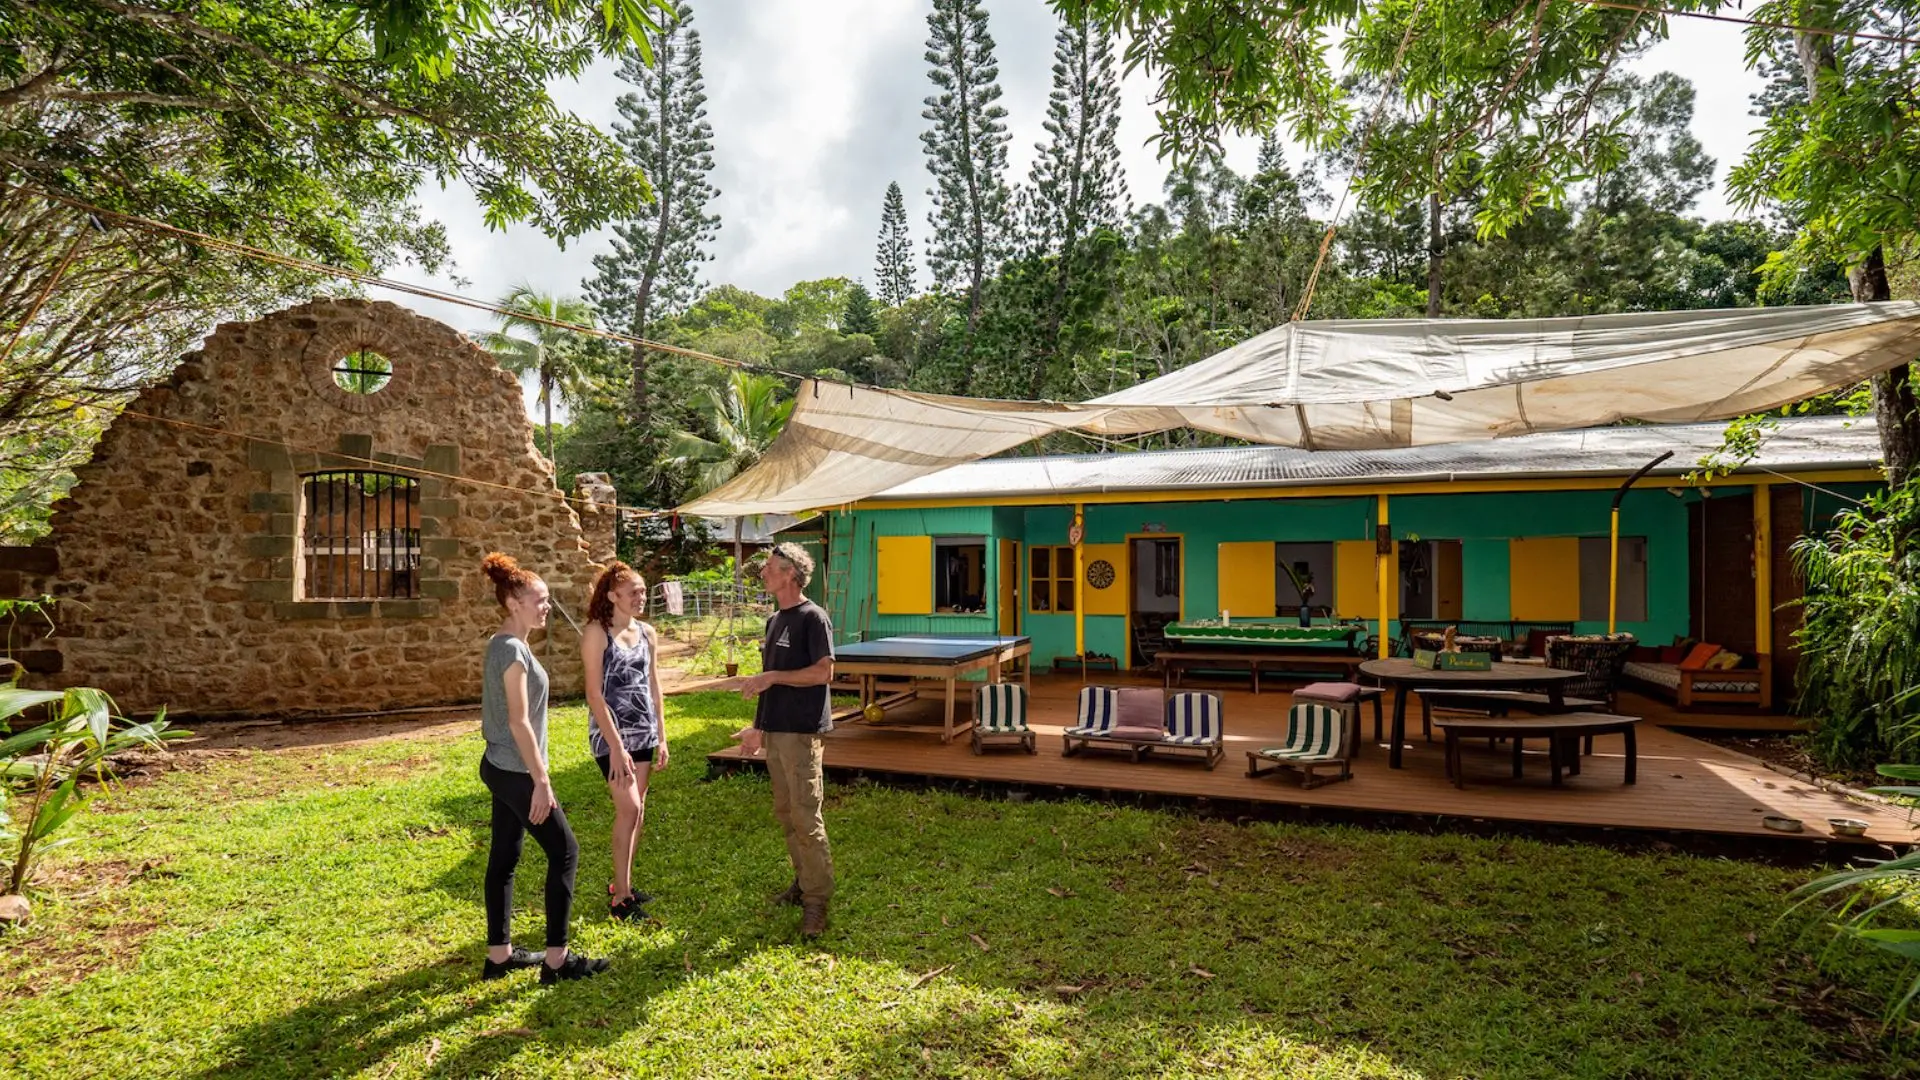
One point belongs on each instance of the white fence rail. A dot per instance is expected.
(680, 599)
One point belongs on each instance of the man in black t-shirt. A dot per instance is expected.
(792, 714)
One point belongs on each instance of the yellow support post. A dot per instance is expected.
(1613, 569)
(1763, 568)
(1383, 574)
(1079, 590)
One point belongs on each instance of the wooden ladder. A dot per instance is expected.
(841, 527)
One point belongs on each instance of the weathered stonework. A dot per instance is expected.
(598, 504)
(178, 555)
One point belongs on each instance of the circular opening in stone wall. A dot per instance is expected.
(362, 371)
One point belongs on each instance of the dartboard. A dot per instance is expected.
(1100, 573)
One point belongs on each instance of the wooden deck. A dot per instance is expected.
(1685, 785)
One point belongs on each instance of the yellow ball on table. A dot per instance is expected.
(873, 714)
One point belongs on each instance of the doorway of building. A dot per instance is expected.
(1720, 592)
(1430, 580)
(1154, 599)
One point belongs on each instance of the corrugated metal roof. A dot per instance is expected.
(1800, 444)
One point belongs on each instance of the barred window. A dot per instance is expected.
(360, 536)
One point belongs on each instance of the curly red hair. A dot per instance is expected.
(600, 605)
(508, 576)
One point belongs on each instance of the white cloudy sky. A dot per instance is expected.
(815, 107)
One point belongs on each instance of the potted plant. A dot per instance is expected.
(1302, 579)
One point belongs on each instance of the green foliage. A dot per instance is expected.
(303, 127)
(235, 118)
(859, 318)
(1870, 896)
(526, 342)
(893, 261)
(1846, 155)
(41, 768)
(1503, 102)
(1120, 942)
(966, 149)
(745, 418)
(810, 305)
(1859, 670)
(653, 269)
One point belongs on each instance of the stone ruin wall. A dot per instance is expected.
(175, 557)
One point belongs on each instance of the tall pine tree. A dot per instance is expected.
(653, 270)
(966, 151)
(1076, 185)
(893, 262)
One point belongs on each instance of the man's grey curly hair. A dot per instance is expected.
(795, 556)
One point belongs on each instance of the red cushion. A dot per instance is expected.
(1697, 657)
(1672, 654)
(1644, 654)
(1537, 642)
(1142, 710)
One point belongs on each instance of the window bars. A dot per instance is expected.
(361, 536)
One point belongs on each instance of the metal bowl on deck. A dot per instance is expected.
(1781, 823)
(1846, 826)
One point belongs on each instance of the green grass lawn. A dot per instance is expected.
(317, 913)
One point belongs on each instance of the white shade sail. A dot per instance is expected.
(1356, 384)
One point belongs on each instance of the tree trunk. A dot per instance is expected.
(1895, 409)
(736, 558)
(1435, 251)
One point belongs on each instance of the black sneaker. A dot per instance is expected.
(574, 966)
(517, 959)
(629, 909)
(639, 897)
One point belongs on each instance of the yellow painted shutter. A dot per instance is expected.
(904, 575)
(1356, 589)
(1246, 578)
(1544, 578)
(1111, 600)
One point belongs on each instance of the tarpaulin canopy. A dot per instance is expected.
(1355, 384)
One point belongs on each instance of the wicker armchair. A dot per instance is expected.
(1600, 657)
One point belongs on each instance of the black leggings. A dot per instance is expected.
(512, 798)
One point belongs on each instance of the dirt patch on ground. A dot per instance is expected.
(1785, 751)
(351, 731)
(218, 740)
(102, 931)
(1222, 842)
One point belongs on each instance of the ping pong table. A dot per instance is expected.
(940, 657)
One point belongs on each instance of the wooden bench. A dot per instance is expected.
(1174, 664)
(1563, 731)
(1500, 703)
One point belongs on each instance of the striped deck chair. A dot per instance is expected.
(1093, 719)
(1000, 717)
(1195, 720)
(1316, 739)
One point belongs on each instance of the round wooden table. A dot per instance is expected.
(1404, 676)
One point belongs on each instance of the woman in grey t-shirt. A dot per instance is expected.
(513, 718)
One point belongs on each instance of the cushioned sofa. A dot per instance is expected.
(1688, 682)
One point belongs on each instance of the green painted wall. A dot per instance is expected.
(861, 622)
(1482, 522)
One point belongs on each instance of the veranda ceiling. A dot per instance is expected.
(1355, 384)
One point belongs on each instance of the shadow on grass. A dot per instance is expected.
(1080, 939)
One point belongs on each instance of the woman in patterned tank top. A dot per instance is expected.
(625, 710)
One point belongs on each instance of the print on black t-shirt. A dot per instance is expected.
(797, 638)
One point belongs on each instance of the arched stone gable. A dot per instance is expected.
(177, 557)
